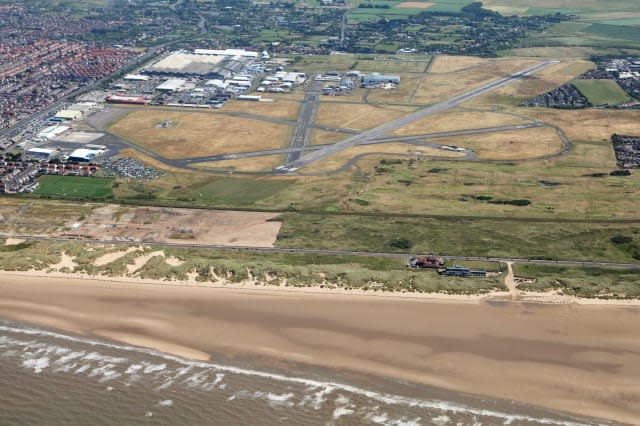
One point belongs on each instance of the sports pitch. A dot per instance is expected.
(74, 186)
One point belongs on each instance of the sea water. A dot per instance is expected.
(51, 378)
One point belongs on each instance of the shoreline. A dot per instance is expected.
(484, 349)
(512, 296)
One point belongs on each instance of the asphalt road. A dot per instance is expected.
(384, 129)
(302, 131)
(563, 262)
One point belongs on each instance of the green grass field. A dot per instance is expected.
(471, 237)
(74, 186)
(600, 92)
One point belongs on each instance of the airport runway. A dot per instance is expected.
(302, 131)
(386, 128)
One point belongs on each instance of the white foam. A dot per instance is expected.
(165, 403)
(441, 420)
(379, 418)
(153, 368)
(83, 369)
(133, 368)
(325, 387)
(69, 357)
(340, 412)
(37, 364)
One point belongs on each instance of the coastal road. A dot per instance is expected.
(527, 261)
(302, 131)
(384, 129)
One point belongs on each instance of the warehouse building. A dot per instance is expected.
(68, 114)
(51, 132)
(42, 153)
(171, 85)
(376, 79)
(84, 155)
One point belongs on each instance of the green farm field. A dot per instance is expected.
(74, 187)
(600, 92)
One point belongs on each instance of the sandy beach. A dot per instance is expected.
(582, 359)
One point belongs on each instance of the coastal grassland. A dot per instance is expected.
(74, 187)
(591, 282)
(459, 236)
(198, 134)
(438, 87)
(39, 215)
(255, 268)
(512, 145)
(601, 92)
(356, 116)
(460, 119)
(248, 165)
(376, 152)
(399, 180)
(575, 185)
(197, 189)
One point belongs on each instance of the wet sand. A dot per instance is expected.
(578, 359)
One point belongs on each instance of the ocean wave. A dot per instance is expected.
(321, 389)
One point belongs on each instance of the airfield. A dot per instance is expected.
(439, 110)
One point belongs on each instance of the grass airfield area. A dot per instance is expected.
(193, 134)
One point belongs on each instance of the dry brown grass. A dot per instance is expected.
(590, 124)
(279, 108)
(459, 120)
(357, 116)
(319, 137)
(446, 64)
(198, 134)
(256, 164)
(438, 87)
(336, 161)
(516, 145)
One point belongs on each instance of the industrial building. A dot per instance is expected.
(51, 132)
(215, 64)
(83, 155)
(42, 153)
(171, 85)
(376, 79)
(68, 114)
